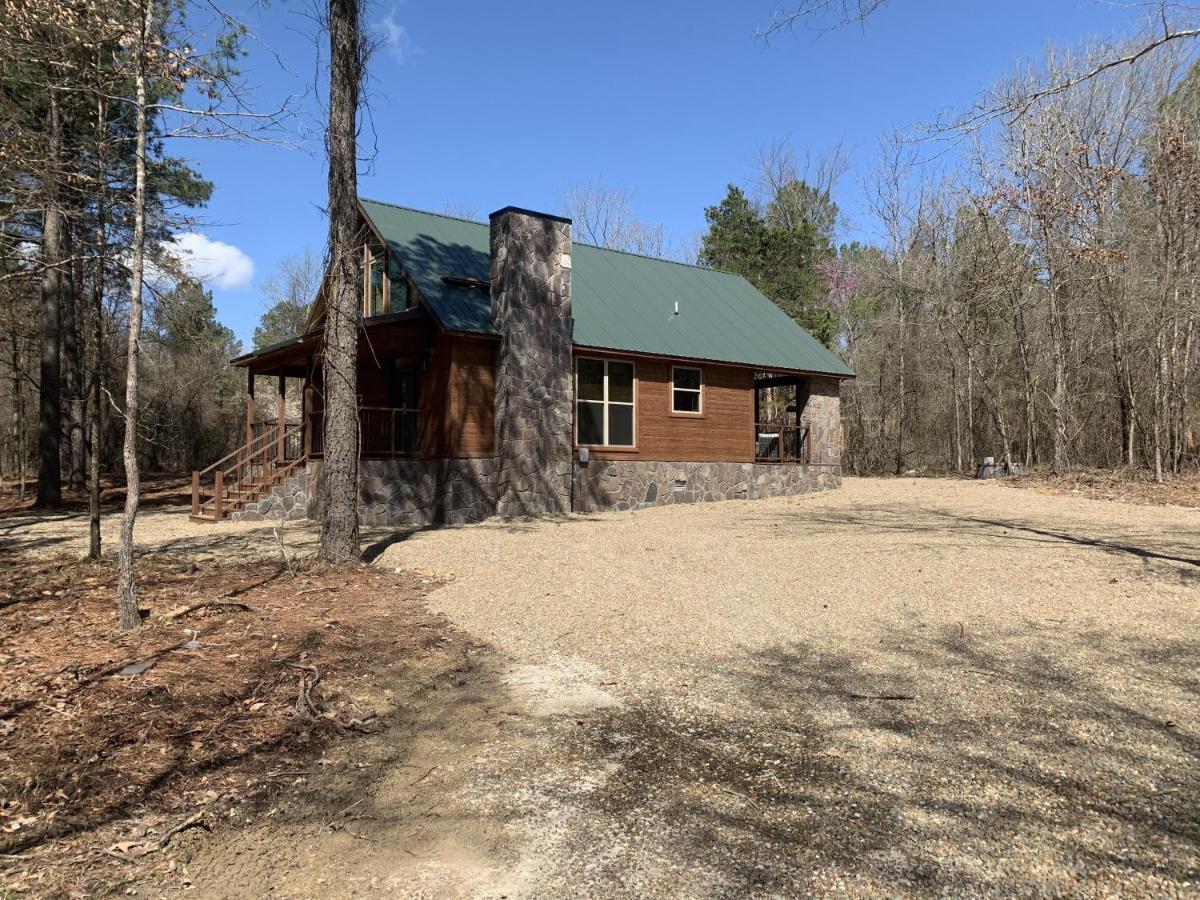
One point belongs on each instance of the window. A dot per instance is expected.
(687, 384)
(406, 395)
(604, 402)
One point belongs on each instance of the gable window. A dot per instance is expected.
(687, 387)
(604, 402)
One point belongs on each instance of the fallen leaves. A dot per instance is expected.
(100, 730)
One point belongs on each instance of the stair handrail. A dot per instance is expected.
(247, 455)
(251, 457)
(242, 451)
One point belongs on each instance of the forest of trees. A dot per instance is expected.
(113, 358)
(1038, 302)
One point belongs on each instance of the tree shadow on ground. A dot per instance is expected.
(1176, 546)
(957, 766)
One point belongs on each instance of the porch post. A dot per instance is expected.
(757, 413)
(249, 405)
(280, 415)
(307, 415)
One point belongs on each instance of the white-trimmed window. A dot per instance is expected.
(687, 389)
(604, 402)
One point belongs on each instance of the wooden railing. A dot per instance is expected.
(272, 449)
(383, 431)
(780, 443)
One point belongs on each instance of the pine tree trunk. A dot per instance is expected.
(18, 419)
(128, 616)
(900, 388)
(97, 345)
(75, 457)
(49, 485)
(339, 520)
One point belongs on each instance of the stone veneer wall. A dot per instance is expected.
(419, 491)
(289, 500)
(823, 415)
(531, 307)
(628, 484)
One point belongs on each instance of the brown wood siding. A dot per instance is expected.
(723, 432)
(471, 387)
(435, 401)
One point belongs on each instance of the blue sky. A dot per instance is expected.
(480, 104)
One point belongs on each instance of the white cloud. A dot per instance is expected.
(212, 262)
(394, 38)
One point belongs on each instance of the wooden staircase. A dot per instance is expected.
(239, 480)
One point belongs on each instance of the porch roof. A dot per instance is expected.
(620, 301)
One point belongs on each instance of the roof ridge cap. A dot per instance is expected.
(674, 262)
(424, 212)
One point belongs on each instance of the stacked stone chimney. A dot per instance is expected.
(531, 310)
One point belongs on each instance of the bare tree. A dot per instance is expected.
(793, 187)
(127, 613)
(347, 66)
(1168, 22)
(605, 216)
(55, 279)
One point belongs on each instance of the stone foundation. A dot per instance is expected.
(289, 500)
(603, 484)
(461, 491)
(419, 491)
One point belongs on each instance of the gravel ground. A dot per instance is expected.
(906, 686)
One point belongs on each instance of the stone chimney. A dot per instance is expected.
(531, 310)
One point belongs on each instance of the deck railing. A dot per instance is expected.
(780, 443)
(383, 431)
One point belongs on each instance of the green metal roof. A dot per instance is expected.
(620, 301)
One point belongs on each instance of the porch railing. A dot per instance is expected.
(383, 431)
(780, 443)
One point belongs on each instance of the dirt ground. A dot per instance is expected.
(1120, 486)
(905, 687)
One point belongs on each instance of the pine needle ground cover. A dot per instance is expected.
(111, 744)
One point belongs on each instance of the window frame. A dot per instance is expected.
(406, 367)
(699, 392)
(606, 403)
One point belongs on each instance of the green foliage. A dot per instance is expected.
(281, 321)
(193, 397)
(289, 292)
(779, 259)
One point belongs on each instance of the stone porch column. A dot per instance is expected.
(531, 309)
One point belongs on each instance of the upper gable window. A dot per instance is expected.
(375, 301)
(687, 389)
(386, 288)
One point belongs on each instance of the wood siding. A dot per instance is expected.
(722, 432)
(470, 431)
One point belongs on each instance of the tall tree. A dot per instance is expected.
(54, 287)
(289, 294)
(347, 66)
(128, 616)
(781, 260)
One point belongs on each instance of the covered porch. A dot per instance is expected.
(781, 429)
(285, 419)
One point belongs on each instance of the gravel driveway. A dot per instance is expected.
(906, 686)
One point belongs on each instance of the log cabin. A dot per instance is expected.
(504, 370)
